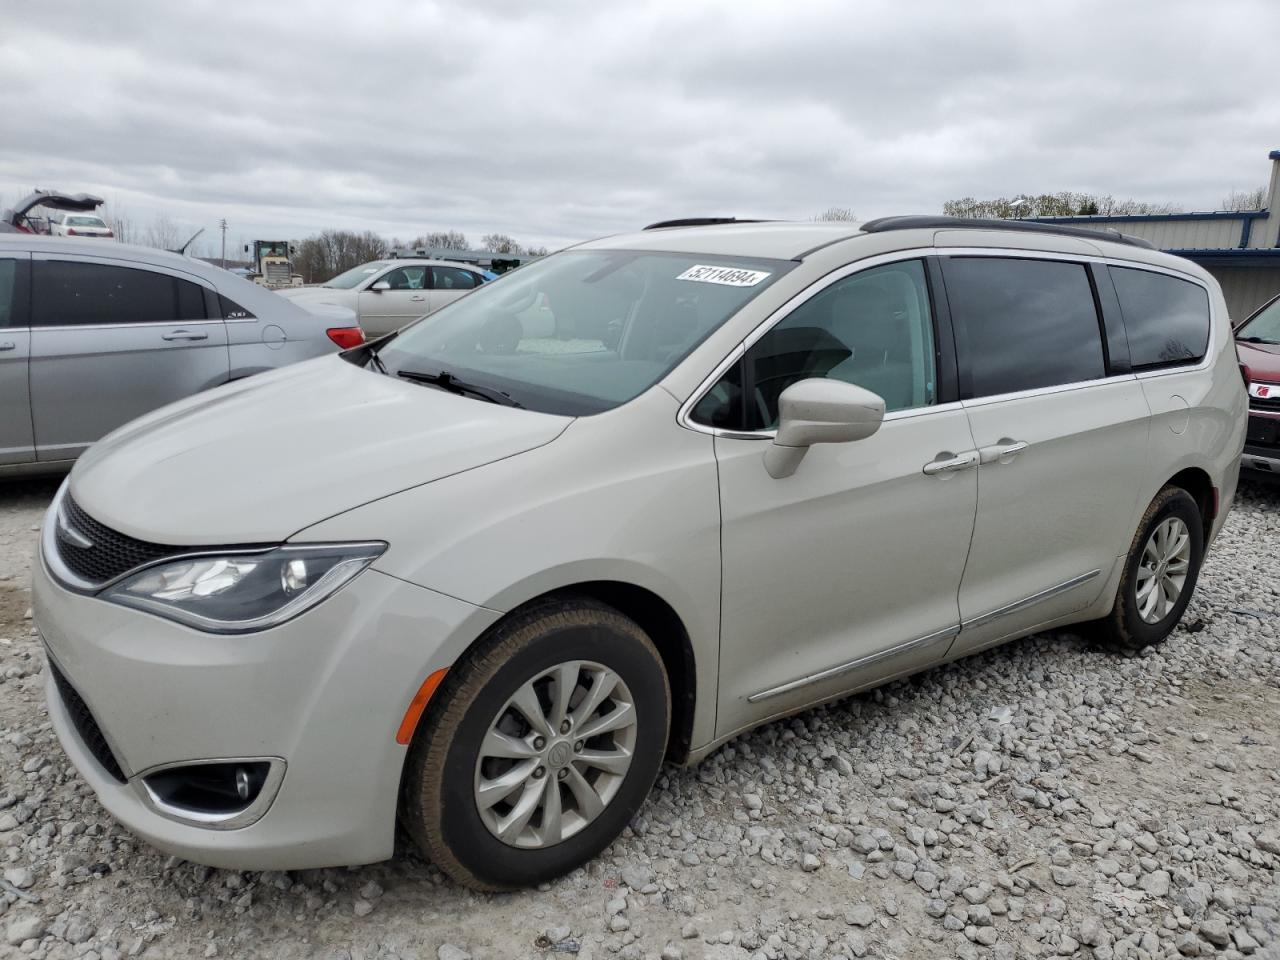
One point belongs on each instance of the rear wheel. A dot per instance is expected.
(539, 748)
(1160, 572)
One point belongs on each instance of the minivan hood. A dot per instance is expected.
(258, 460)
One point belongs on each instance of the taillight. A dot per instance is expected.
(109, 234)
(346, 337)
(72, 233)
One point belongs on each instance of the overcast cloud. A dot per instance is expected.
(561, 121)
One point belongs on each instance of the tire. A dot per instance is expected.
(1126, 627)
(528, 654)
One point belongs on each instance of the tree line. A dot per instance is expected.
(328, 253)
(1071, 204)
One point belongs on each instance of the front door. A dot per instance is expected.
(848, 570)
(450, 283)
(111, 341)
(16, 443)
(405, 299)
(1061, 433)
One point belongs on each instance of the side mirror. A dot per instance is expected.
(820, 411)
(380, 286)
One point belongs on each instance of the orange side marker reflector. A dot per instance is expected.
(417, 705)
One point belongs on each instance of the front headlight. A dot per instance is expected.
(243, 592)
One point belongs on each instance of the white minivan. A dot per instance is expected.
(484, 578)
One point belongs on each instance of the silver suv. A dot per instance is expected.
(489, 572)
(94, 335)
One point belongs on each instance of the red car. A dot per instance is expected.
(1258, 346)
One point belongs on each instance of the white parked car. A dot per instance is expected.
(387, 294)
(71, 224)
(484, 578)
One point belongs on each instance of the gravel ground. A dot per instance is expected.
(1045, 799)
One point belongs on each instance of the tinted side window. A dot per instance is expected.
(453, 278)
(190, 301)
(873, 329)
(68, 293)
(1027, 323)
(1165, 319)
(8, 286)
(232, 310)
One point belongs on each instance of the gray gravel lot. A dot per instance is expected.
(1045, 799)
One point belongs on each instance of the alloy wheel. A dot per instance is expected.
(555, 755)
(1163, 568)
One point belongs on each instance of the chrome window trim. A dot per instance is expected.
(213, 821)
(918, 643)
(684, 414)
(63, 327)
(1046, 391)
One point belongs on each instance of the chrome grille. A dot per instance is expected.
(109, 553)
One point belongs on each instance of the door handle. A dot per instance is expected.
(418, 297)
(949, 464)
(8, 345)
(185, 335)
(1004, 451)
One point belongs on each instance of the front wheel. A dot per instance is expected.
(539, 747)
(1160, 572)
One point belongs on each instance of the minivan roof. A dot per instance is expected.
(791, 240)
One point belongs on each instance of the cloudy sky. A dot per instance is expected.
(560, 121)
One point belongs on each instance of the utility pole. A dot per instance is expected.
(222, 225)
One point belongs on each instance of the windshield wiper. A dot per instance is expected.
(1257, 340)
(447, 381)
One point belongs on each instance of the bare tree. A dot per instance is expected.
(163, 233)
(1064, 204)
(325, 255)
(443, 240)
(537, 251)
(1255, 199)
(836, 213)
(501, 243)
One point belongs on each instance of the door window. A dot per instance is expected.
(873, 328)
(1026, 324)
(1165, 319)
(406, 278)
(8, 285)
(453, 278)
(69, 293)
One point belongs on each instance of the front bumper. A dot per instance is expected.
(1262, 444)
(323, 693)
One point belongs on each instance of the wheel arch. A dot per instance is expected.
(657, 618)
(1197, 482)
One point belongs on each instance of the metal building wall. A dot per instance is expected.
(1246, 288)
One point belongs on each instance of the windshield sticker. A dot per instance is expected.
(729, 276)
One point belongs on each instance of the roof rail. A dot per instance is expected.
(697, 222)
(1019, 226)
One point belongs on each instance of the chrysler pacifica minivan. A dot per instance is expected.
(483, 578)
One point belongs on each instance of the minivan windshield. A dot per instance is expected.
(579, 332)
(345, 281)
(1263, 326)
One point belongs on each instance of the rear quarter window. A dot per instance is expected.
(1166, 319)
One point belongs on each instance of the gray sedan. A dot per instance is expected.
(94, 335)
